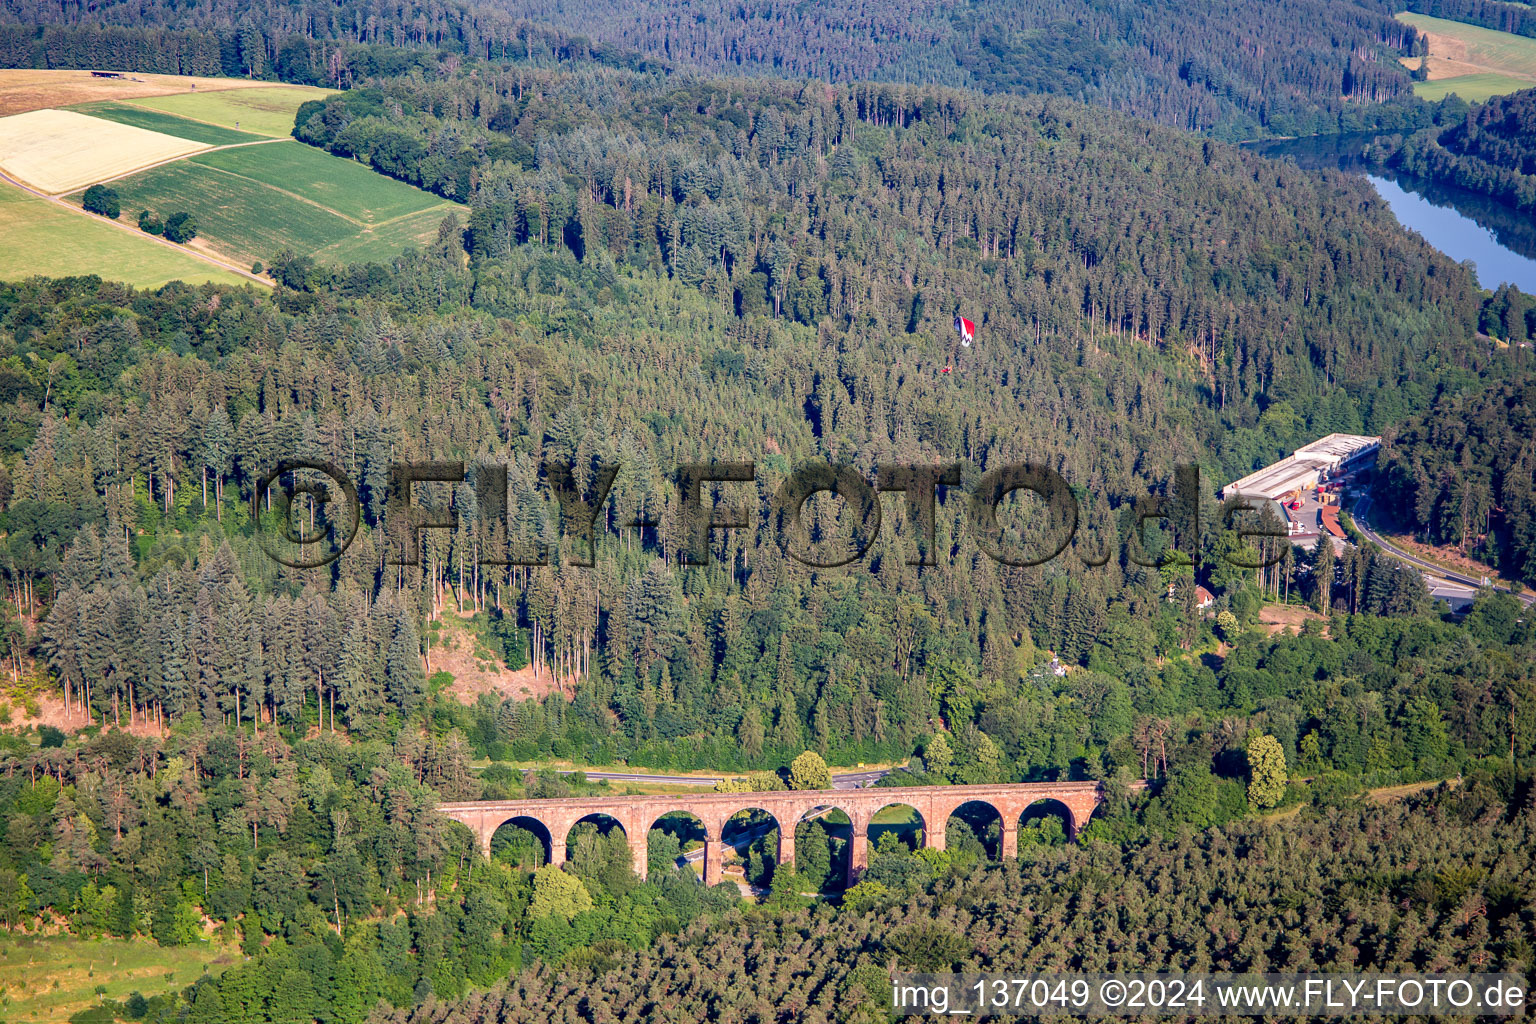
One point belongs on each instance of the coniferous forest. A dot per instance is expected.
(1238, 70)
(674, 254)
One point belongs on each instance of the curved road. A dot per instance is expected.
(1362, 510)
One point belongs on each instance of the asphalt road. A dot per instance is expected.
(850, 780)
(1361, 513)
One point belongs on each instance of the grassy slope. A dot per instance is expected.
(253, 202)
(240, 218)
(343, 186)
(46, 979)
(38, 237)
(166, 124)
(267, 111)
(1472, 88)
(1495, 62)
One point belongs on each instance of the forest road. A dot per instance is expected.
(1362, 510)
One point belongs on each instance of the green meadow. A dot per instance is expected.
(1472, 88)
(46, 979)
(265, 111)
(166, 124)
(253, 202)
(40, 237)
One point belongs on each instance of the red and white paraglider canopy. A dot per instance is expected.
(966, 329)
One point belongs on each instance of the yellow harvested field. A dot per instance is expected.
(23, 89)
(58, 151)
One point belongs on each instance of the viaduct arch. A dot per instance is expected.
(637, 814)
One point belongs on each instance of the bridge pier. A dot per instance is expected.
(1010, 840)
(933, 838)
(640, 853)
(858, 852)
(714, 861)
(787, 846)
(557, 850)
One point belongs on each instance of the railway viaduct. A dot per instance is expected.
(636, 815)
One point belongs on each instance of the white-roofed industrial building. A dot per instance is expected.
(1328, 458)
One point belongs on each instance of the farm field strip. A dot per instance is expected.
(268, 110)
(237, 196)
(250, 196)
(168, 124)
(178, 159)
(44, 236)
(59, 151)
(242, 218)
(386, 239)
(345, 187)
(1471, 61)
(23, 89)
(1476, 88)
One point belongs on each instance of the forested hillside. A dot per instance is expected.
(660, 268)
(1238, 70)
(736, 272)
(1461, 474)
(322, 861)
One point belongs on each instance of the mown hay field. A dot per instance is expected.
(253, 202)
(167, 124)
(38, 237)
(267, 111)
(23, 89)
(58, 151)
(46, 979)
(1471, 61)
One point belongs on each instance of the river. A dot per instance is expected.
(1464, 225)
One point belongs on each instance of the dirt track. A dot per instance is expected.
(23, 89)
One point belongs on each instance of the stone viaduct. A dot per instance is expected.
(636, 815)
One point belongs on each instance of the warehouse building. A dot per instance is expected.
(1328, 459)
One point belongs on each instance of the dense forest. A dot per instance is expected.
(1461, 474)
(321, 859)
(753, 273)
(1490, 151)
(661, 269)
(1239, 70)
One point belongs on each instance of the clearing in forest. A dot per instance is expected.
(59, 151)
(50, 978)
(1473, 62)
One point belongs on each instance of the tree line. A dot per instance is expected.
(1487, 151)
(1238, 71)
(1460, 475)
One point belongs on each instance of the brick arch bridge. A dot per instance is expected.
(637, 814)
